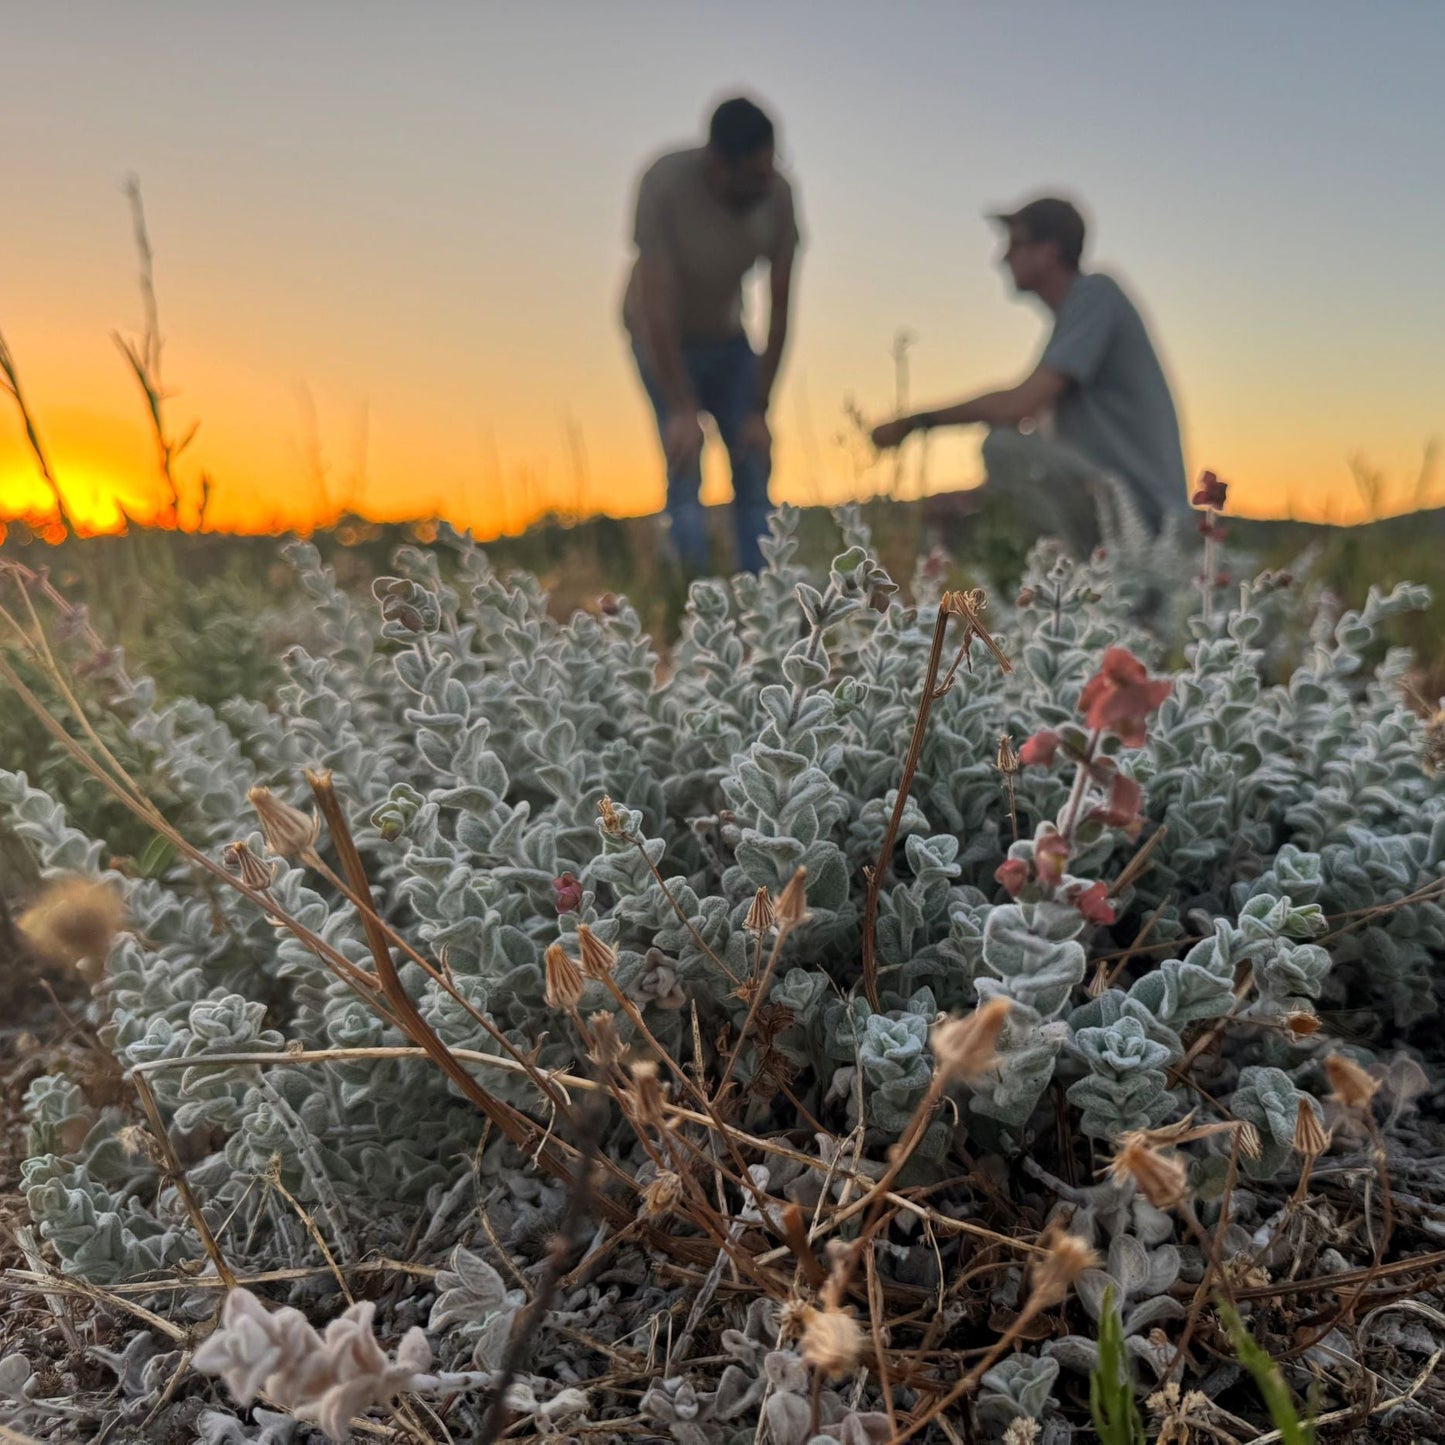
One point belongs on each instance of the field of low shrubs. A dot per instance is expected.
(860, 1013)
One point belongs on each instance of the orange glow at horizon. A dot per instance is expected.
(389, 251)
(260, 481)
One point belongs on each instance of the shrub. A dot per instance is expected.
(1178, 885)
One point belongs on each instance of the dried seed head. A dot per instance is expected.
(289, 832)
(598, 958)
(1008, 756)
(74, 921)
(760, 912)
(1310, 1138)
(1161, 1178)
(137, 1142)
(964, 1048)
(564, 979)
(1301, 1024)
(1435, 743)
(792, 906)
(793, 1318)
(611, 819)
(604, 1047)
(1053, 1274)
(1250, 1144)
(1352, 1086)
(647, 1092)
(1181, 1131)
(661, 1195)
(254, 872)
(832, 1342)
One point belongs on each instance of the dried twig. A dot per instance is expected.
(519, 1345)
(905, 782)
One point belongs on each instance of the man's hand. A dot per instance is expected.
(754, 435)
(891, 433)
(681, 441)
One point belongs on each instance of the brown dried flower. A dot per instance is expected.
(1008, 756)
(1250, 1144)
(832, 1342)
(964, 1048)
(1310, 1138)
(661, 1195)
(792, 905)
(647, 1092)
(137, 1142)
(289, 832)
(604, 1047)
(611, 819)
(793, 1318)
(564, 979)
(761, 912)
(1301, 1024)
(1053, 1274)
(1161, 1178)
(74, 921)
(254, 872)
(1352, 1086)
(598, 958)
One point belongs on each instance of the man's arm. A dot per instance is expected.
(780, 278)
(658, 289)
(994, 408)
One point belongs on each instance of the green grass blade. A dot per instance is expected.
(1111, 1387)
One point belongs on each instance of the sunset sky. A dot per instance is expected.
(390, 238)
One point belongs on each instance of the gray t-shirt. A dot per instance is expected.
(709, 247)
(1119, 413)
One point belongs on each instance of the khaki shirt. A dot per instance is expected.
(709, 247)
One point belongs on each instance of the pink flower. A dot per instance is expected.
(1211, 492)
(1093, 903)
(1013, 875)
(1122, 809)
(1121, 695)
(1051, 857)
(568, 893)
(1039, 750)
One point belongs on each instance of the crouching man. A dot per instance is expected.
(1093, 427)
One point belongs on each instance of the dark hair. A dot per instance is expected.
(1050, 218)
(739, 129)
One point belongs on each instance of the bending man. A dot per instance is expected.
(705, 217)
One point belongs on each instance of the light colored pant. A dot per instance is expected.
(1053, 488)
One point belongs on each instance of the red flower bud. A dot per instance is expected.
(1039, 750)
(1211, 492)
(1013, 875)
(1093, 903)
(567, 892)
(1051, 857)
(1122, 809)
(1121, 695)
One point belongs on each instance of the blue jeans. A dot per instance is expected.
(724, 379)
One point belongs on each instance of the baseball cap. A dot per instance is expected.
(1049, 218)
